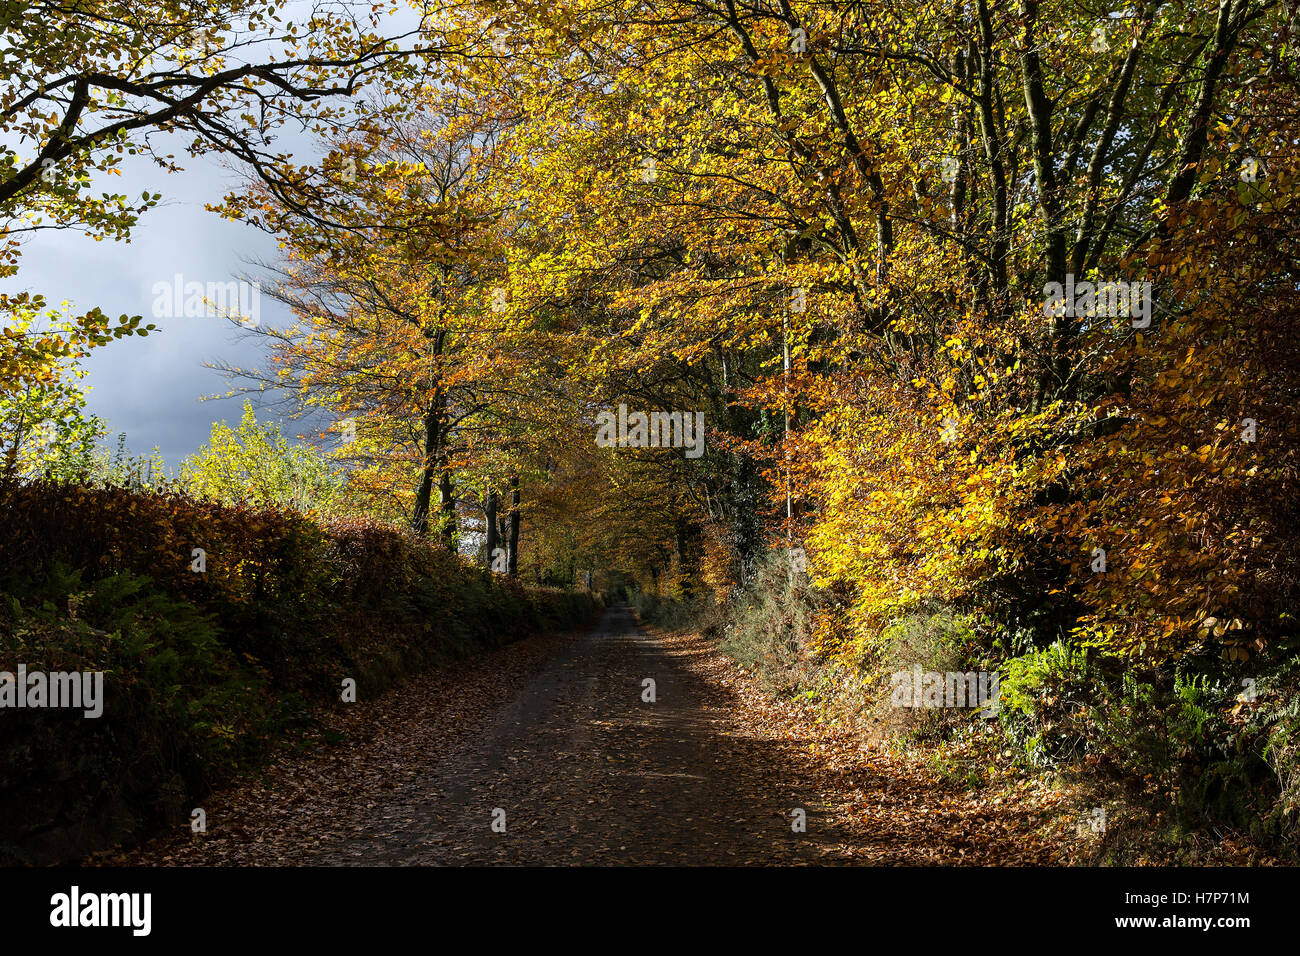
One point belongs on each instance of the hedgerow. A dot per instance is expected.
(207, 662)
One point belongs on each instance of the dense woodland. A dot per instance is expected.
(988, 309)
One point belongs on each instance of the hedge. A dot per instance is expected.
(205, 669)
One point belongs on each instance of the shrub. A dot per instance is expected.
(768, 627)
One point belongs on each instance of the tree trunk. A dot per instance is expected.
(434, 452)
(490, 513)
(423, 494)
(447, 509)
(512, 567)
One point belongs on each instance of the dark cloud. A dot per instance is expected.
(151, 388)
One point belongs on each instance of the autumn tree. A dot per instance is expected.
(889, 194)
(403, 334)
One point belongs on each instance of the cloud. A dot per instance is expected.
(150, 388)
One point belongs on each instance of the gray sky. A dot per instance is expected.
(151, 387)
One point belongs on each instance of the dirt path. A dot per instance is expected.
(555, 732)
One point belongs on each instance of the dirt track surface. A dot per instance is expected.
(554, 733)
